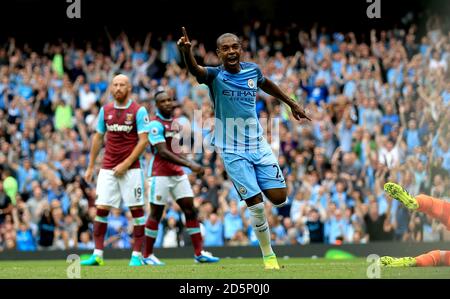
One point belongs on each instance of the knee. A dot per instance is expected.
(278, 198)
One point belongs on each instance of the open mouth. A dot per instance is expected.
(232, 59)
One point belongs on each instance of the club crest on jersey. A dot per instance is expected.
(251, 83)
(154, 131)
(129, 119)
(110, 117)
(242, 190)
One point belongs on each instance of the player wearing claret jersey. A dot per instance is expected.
(166, 177)
(238, 135)
(124, 124)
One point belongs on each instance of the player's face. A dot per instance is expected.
(229, 52)
(120, 88)
(165, 104)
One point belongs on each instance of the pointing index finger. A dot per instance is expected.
(185, 34)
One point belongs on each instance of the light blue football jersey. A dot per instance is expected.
(237, 128)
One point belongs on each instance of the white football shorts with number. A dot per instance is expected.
(129, 187)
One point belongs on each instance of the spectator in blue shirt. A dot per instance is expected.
(214, 230)
(412, 136)
(117, 226)
(345, 134)
(232, 221)
(26, 174)
(389, 119)
(338, 227)
(25, 239)
(85, 242)
(317, 93)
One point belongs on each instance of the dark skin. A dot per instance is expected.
(165, 105)
(229, 51)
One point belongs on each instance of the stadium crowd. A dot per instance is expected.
(379, 107)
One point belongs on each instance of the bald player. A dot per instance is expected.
(125, 124)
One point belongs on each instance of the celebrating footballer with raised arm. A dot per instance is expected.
(247, 157)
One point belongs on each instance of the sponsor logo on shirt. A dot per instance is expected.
(119, 128)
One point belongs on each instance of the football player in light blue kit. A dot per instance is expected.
(238, 135)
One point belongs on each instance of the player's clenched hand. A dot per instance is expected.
(120, 169)
(88, 174)
(183, 43)
(298, 112)
(197, 168)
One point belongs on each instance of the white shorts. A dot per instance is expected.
(162, 186)
(129, 187)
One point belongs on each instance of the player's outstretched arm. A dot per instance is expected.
(271, 88)
(184, 45)
(97, 143)
(168, 155)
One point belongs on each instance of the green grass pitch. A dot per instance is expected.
(230, 268)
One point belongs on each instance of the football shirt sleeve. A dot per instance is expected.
(211, 74)
(261, 78)
(156, 132)
(101, 128)
(142, 121)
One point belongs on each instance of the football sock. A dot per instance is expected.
(436, 208)
(138, 228)
(193, 228)
(100, 225)
(430, 259)
(151, 232)
(445, 258)
(261, 228)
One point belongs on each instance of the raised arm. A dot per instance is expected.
(271, 88)
(184, 45)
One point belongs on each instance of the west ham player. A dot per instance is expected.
(125, 125)
(434, 207)
(238, 134)
(167, 177)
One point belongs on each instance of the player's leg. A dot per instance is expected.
(151, 233)
(433, 258)
(181, 190)
(192, 224)
(277, 196)
(261, 228)
(158, 195)
(108, 196)
(132, 190)
(434, 207)
(242, 173)
(270, 177)
(137, 212)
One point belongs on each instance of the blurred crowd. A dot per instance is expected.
(380, 112)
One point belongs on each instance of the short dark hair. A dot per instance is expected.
(158, 93)
(225, 35)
